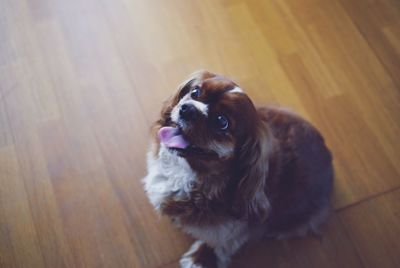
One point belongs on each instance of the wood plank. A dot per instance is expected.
(374, 228)
(376, 21)
(19, 243)
(98, 216)
(5, 131)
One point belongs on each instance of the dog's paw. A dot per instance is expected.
(199, 256)
(189, 262)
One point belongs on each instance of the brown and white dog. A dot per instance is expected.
(227, 172)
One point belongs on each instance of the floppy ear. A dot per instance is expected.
(251, 201)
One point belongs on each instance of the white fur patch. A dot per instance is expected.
(202, 107)
(236, 90)
(167, 173)
(187, 261)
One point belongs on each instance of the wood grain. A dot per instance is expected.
(333, 249)
(374, 229)
(19, 238)
(81, 82)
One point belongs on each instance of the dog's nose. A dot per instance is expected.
(188, 111)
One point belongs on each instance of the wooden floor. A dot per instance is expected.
(82, 80)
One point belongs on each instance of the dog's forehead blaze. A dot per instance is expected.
(233, 103)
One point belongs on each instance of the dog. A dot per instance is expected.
(226, 172)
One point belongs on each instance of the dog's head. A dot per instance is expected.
(213, 124)
(209, 117)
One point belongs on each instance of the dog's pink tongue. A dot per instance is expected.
(171, 138)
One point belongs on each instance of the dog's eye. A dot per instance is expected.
(195, 92)
(222, 122)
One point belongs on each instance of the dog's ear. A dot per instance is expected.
(250, 200)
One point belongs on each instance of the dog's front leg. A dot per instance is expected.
(200, 255)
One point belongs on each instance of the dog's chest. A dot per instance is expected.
(168, 174)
